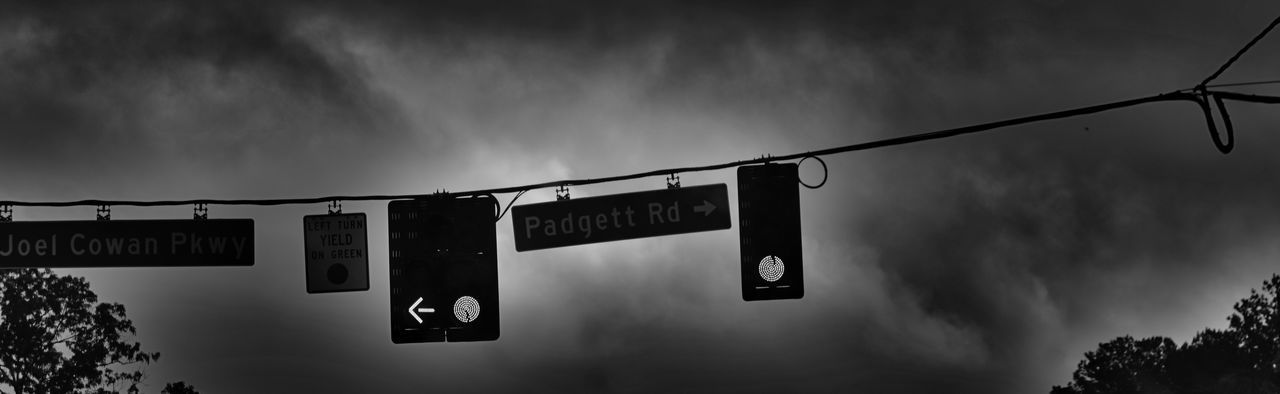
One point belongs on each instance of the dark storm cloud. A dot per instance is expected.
(1010, 240)
(990, 247)
(208, 82)
(1068, 224)
(961, 226)
(76, 45)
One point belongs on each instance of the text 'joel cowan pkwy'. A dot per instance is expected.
(127, 243)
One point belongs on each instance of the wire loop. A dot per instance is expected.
(1189, 94)
(1202, 99)
(509, 204)
(824, 172)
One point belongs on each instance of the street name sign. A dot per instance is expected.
(621, 216)
(337, 247)
(126, 243)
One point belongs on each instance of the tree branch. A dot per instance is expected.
(73, 336)
(118, 362)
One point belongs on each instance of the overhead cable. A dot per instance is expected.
(1250, 83)
(1198, 94)
(882, 143)
(1240, 52)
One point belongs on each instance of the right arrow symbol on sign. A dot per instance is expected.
(705, 209)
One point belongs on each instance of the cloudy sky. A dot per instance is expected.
(985, 263)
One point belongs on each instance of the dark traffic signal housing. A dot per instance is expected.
(769, 228)
(444, 269)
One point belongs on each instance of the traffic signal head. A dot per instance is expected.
(769, 228)
(444, 270)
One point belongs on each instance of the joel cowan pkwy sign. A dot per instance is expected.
(621, 216)
(127, 243)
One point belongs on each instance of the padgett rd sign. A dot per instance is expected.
(621, 216)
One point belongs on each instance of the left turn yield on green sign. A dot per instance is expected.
(337, 247)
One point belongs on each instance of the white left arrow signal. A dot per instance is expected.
(705, 208)
(414, 310)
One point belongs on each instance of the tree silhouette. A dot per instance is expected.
(1123, 365)
(1211, 360)
(1244, 358)
(55, 337)
(178, 388)
(1257, 319)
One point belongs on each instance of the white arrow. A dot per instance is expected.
(414, 308)
(705, 209)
